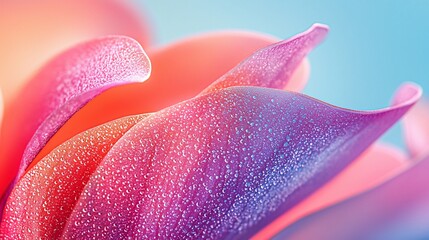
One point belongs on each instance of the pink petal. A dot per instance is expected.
(60, 89)
(273, 66)
(223, 165)
(43, 199)
(376, 165)
(34, 31)
(416, 130)
(369, 215)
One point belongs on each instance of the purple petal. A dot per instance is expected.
(223, 165)
(397, 209)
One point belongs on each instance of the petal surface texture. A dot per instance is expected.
(376, 165)
(273, 66)
(60, 89)
(416, 129)
(397, 209)
(43, 199)
(223, 165)
(166, 57)
(34, 31)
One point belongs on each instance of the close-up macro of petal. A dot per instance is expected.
(109, 131)
(69, 81)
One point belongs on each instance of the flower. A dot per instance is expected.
(221, 163)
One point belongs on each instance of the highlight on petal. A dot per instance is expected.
(397, 209)
(56, 182)
(223, 165)
(182, 70)
(416, 129)
(60, 89)
(376, 165)
(34, 31)
(274, 65)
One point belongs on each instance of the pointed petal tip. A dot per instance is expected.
(274, 65)
(318, 30)
(320, 26)
(407, 94)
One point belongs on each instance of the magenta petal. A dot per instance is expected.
(60, 89)
(398, 209)
(223, 165)
(272, 66)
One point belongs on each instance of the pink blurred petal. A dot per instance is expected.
(416, 129)
(60, 89)
(34, 31)
(223, 165)
(372, 214)
(273, 66)
(377, 164)
(56, 182)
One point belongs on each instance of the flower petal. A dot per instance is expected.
(272, 66)
(56, 182)
(416, 130)
(223, 165)
(60, 89)
(376, 165)
(34, 31)
(184, 69)
(368, 215)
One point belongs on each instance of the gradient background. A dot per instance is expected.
(372, 48)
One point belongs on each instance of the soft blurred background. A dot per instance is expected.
(372, 48)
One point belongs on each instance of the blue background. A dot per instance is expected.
(372, 48)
